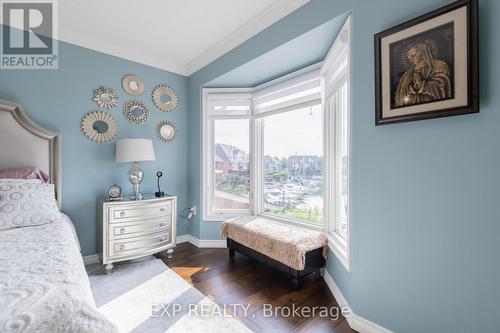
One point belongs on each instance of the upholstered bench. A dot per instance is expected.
(297, 251)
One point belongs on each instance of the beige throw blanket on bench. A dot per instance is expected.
(282, 242)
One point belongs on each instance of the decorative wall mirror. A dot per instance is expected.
(136, 112)
(99, 126)
(166, 131)
(165, 98)
(132, 85)
(106, 98)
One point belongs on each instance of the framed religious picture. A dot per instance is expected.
(428, 67)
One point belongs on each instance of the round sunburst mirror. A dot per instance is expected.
(99, 126)
(165, 98)
(136, 112)
(166, 131)
(106, 98)
(133, 85)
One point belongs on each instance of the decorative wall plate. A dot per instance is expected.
(136, 112)
(166, 131)
(132, 85)
(165, 98)
(99, 126)
(106, 98)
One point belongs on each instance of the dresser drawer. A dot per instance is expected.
(142, 211)
(131, 246)
(141, 228)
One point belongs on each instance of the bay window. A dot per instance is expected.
(282, 150)
(336, 101)
(293, 164)
(227, 156)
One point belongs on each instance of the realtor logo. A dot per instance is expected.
(29, 35)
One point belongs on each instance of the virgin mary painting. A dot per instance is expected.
(421, 68)
(426, 80)
(427, 67)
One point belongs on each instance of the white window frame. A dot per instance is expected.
(209, 213)
(258, 171)
(339, 245)
(256, 150)
(276, 87)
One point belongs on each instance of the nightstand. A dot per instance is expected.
(130, 229)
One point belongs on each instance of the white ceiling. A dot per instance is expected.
(180, 36)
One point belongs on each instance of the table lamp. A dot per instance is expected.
(135, 151)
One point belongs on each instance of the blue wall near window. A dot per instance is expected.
(58, 99)
(424, 249)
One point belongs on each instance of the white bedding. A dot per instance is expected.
(43, 283)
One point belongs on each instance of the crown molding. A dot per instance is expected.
(260, 22)
(263, 20)
(126, 52)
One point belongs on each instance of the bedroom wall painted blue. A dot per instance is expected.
(425, 242)
(58, 99)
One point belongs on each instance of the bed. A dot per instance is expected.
(43, 283)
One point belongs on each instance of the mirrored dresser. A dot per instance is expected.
(130, 229)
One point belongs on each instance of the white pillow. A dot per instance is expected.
(24, 204)
(24, 181)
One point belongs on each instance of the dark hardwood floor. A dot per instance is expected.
(253, 284)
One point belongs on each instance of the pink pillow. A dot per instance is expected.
(25, 173)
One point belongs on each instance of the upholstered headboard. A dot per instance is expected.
(25, 144)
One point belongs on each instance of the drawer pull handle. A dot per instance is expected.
(122, 247)
(162, 225)
(122, 230)
(122, 214)
(162, 209)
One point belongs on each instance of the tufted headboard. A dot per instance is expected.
(25, 144)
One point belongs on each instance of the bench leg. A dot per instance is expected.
(317, 274)
(295, 276)
(296, 283)
(231, 254)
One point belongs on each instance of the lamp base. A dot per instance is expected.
(159, 194)
(135, 176)
(136, 197)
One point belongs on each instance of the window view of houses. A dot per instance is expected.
(232, 177)
(292, 185)
(231, 164)
(292, 165)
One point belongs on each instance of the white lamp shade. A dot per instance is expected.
(134, 150)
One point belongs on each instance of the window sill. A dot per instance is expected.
(221, 217)
(293, 222)
(340, 249)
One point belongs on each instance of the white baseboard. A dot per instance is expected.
(201, 243)
(91, 259)
(356, 322)
(182, 239)
(212, 243)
